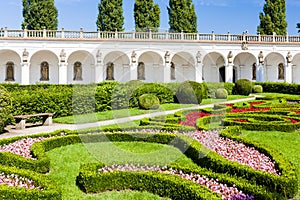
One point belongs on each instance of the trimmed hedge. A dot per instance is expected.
(148, 101)
(212, 88)
(5, 108)
(165, 185)
(50, 191)
(243, 87)
(190, 92)
(276, 87)
(257, 89)
(221, 93)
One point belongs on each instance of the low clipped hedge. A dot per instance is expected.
(285, 185)
(148, 101)
(221, 93)
(5, 108)
(243, 87)
(212, 88)
(284, 88)
(49, 191)
(190, 92)
(165, 185)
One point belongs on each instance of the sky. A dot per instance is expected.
(220, 16)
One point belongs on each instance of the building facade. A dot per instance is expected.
(71, 57)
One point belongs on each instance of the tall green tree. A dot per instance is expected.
(298, 27)
(110, 15)
(273, 18)
(146, 15)
(38, 14)
(182, 16)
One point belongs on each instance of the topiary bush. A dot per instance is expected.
(163, 93)
(257, 89)
(221, 93)
(189, 92)
(243, 87)
(148, 101)
(5, 108)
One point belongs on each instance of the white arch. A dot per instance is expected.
(296, 69)
(154, 66)
(184, 64)
(7, 55)
(243, 63)
(272, 60)
(212, 62)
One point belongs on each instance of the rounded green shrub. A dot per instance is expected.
(221, 93)
(243, 87)
(148, 101)
(189, 92)
(257, 89)
(163, 93)
(5, 108)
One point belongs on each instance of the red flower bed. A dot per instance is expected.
(293, 121)
(255, 103)
(192, 117)
(235, 110)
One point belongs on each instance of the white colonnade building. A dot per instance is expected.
(71, 57)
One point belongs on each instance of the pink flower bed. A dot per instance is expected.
(235, 151)
(225, 191)
(241, 120)
(15, 180)
(21, 147)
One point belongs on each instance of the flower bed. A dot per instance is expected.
(225, 191)
(18, 181)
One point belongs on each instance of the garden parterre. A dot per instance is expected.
(279, 182)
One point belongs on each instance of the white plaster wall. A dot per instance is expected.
(10, 56)
(296, 69)
(271, 66)
(211, 64)
(88, 67)
(184, 66)
(35, 64)
(244, 62)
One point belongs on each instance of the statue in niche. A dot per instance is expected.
(77, 71)
(62, 56)
(25, 55)
(110, 71)
(167, 57)
(281, 71)
(141, 71)
(289, 57)
(133, 57)
(10, 72)
(198, 57)
(44, 71)
(254, 71)
(229, 57)
(173, 71)
(99, 56)
(261, 57)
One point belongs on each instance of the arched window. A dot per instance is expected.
(44, 71)
(254, 71)
(173, 71)
(77, 71)
(141, 71)
(110, 71)
(281, 71)
(10, 71)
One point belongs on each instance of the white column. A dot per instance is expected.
(229, 73)
(133, 71)
(63, 73)
(198, 72)
(288, 73)
(167, 72)
(25, 74)
(99, 72)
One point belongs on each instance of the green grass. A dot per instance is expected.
(288, 143)
(65, 163)
(113, 114)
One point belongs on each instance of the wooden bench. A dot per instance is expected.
(21, 119)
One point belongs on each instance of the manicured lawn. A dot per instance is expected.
(113, 114)
(65, 163)
(287, 143)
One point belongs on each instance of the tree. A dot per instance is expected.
(273, 20)
(39, 14)
(298, 27)
(110, 17)
(146, 15)
(182, 16)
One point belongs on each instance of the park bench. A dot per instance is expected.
(21, 119)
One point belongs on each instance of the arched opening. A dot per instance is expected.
(10, 71)
(77, 71)
(44, 71)
(110, 71)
